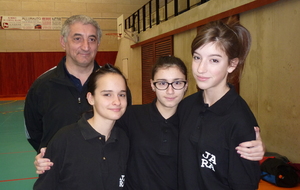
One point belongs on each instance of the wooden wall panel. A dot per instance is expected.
(148, 59)
(150, 53)
(43, 61)
(103, 57)
(15, 73)
(18, 70)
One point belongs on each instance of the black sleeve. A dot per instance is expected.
(55, 152)
(33, 120)
(243, 174)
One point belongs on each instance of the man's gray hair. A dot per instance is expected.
(65, 30)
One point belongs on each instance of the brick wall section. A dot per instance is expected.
(48, 40)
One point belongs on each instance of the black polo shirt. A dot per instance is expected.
(152, 162)
(208, 137)
(83, 160)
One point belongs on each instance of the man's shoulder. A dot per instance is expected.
(51, 73)
(46, 76)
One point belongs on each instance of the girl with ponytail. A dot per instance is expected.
(216, 119)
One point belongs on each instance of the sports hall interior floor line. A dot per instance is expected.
(16, 166)
(17, 171)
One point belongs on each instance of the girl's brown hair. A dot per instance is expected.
(169, 61)
(233, 38)
(107, 68)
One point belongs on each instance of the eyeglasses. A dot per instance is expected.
(177, 85)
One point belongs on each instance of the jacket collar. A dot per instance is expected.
(62, 74)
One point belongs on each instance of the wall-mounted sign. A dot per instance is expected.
(30, 22)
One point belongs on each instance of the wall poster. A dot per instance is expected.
(30, 22)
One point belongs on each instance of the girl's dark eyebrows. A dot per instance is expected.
(178, 78)
(175, 79)
(112, 91)
(161, 79)
(218, 55)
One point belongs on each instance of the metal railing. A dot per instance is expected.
(156, 11)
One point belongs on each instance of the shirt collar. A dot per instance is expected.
(75, 80)
(88, 132)
(222, 104)
(156, 116)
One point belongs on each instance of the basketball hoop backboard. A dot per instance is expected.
(120, 26)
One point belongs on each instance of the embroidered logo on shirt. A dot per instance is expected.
(122, 181)
(208, 161)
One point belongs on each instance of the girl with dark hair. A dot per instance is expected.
(215, 120)
(153, 129)
(92, 153)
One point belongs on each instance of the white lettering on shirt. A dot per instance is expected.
(208, 161)
(122, 181)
